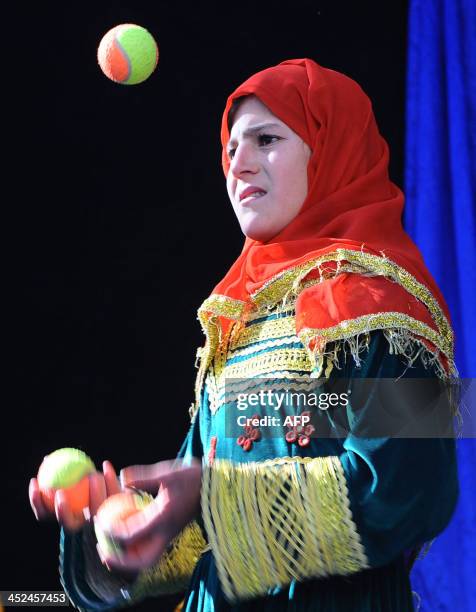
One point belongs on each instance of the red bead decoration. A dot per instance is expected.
(213, 449)
(252, 434)
(247, 444)
(300, 433)
(291, 436)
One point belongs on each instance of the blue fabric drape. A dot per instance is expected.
(440, 215)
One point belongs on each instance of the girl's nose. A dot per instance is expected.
(245, 159)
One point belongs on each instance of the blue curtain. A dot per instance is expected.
(440, 185)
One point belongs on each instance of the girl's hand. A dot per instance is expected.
(101, 485)
(146, 534)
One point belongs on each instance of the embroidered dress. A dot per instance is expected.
(325, 526)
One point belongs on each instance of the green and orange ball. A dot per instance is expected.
(67, 469)
(128, 54)
(114, 510)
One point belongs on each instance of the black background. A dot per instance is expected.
(119, 223)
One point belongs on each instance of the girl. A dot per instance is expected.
(316, 511)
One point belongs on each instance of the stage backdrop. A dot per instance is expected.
(440, 216)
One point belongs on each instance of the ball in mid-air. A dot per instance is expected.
(128, 54)
(117, 508)
(66, 469)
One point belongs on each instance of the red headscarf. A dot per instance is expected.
(350, 222)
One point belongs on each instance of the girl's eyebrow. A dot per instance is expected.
(255, 128)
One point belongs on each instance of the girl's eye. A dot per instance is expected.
(266, 139)
(263, 141)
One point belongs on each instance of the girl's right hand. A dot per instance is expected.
(101, 486)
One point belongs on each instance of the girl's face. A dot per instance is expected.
(267, 179)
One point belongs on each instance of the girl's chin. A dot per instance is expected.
(259, 234)
(257, 226)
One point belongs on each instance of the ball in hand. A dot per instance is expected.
(114, 509)
(66, 469)
(128, 54)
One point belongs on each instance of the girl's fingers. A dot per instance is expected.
(113, 485)
(69, 520)
(39, 509)
(147, 477)
(97, 492)
(153, 518)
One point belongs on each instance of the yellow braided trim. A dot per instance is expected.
(173, 571)
(265, 344)
(267, 330)
(283, 519)
(279, 359)
(273, 362)
(253, 367)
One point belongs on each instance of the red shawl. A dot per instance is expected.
(348, 232)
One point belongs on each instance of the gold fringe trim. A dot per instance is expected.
(208, 314)
(283, 519)
(279, 295)
(173, 571)
(212, 330)
(223, 306)
(399, 329)
(358, 262)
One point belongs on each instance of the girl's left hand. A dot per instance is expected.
(146, 534)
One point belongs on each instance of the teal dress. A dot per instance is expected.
(323, 515)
